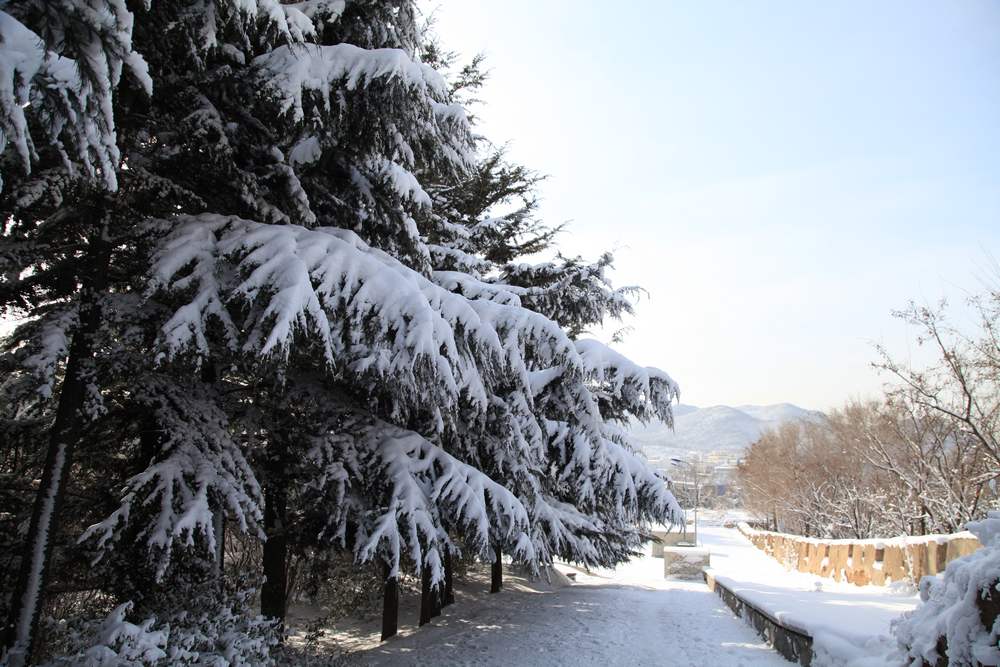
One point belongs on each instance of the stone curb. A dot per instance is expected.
(794, 644)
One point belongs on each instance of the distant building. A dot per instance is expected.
(723, 477)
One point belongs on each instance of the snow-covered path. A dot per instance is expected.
(627, 617)
(849, 624)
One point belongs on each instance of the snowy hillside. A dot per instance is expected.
(717, 428)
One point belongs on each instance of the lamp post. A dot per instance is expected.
(697, 491)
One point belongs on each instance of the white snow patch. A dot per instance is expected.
(305, 151)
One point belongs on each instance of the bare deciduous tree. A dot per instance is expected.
(924, 459)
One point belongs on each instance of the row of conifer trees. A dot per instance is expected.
(271, 284)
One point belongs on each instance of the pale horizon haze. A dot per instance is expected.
(779, 176)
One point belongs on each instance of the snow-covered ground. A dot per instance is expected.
(849, 624)
(630, 616)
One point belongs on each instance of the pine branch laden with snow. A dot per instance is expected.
(592, 457)
(428, 487)
(580, 395)
(580, 463)
(294, 72)
(951, 617)
(606, 481)
(450, 260)
(377, 321)
(21, 59)
(319, 89)
(561, 530)
(369, 316)
(184, 628)
(472, 287)
(571, 292)
(319, 13)
(38, 347)
(312, 85)
(641, 494)
(372, 318)
(642, 392)
(407, 494)
(121, 642)
(60, 63)
(198, 472)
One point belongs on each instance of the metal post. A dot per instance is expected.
(697, 501)
(697, 494)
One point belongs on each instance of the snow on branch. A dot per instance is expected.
(47, 342)
(71, 100)
(455, 260)
(368, 313)
(424, 131)
(561, 530)
(425, 492)
(192, 249)
(292, 71)
(21, 56)
(639, 491)
(198, 471)
(323, 12)
(473, 288)
(954, 608)
(593, 538)
(572, 292)
(643, 391)
(527, 334)
(397, 178)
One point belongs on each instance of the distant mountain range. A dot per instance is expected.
(716, 428)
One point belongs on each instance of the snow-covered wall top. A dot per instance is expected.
(877, 542)
(862, 562)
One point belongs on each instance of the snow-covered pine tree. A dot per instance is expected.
(573, 426)
(266, 314)
(74, 208)
(286, 182)
(308, 99)
(59, 65)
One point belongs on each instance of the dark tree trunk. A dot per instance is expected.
(390, 603)
(274, 592)
(449, 591)
(210, 375)
(70, 421)
(219, 528)
(150, 440)
(437, 600)
(426, 605)
(496, 571)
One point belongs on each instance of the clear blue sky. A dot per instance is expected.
(779, 175)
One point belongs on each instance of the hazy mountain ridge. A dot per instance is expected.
(718, 427)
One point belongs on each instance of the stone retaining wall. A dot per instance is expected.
(794, 644)
(864, 562)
